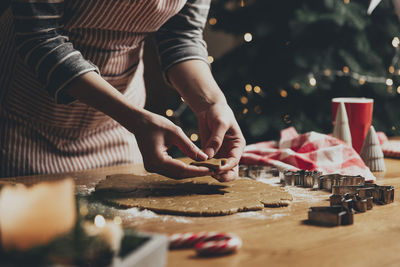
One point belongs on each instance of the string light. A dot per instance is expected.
(393, 128)
(117, 220)
(169, 112)
(346, 1)
(212, 21)
(183, 100)
(357, 76)
(257, 109)
(99, 221)
(327, 72)
(248, 37)
(312, 81)
(194, 137)
(248, 88)
(241, 3)
(244, 100)
(396, 42)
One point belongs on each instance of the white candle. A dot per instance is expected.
(36, 215)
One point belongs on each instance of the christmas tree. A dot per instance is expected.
(297, 55)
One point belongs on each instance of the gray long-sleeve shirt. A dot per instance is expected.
(45, 46)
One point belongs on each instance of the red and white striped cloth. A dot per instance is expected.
(390, 148)
(309, 151)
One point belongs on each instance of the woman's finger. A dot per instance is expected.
(227, 176)
(215, 140)
(177, 169)
(188, 147)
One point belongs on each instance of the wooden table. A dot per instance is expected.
(278, 236)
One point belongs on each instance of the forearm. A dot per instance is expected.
(194, 81)
(94, 91)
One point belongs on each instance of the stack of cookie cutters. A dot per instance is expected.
(380, 194)
(341, 211)
(351, 201)
(350, 194)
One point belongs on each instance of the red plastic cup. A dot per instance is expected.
(359, 112)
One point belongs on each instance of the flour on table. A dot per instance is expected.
(299, 194)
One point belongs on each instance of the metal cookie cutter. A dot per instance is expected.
(330, 180)
(243, 171)
(380, 194)
(257, 172)
(346, 189)
(302, 178)
(331, 216)
(352, 201)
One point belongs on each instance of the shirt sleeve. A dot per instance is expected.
(45, 48)
(181, 37)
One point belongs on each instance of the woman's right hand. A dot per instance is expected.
(155, 135)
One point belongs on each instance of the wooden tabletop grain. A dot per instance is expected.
(277, 236)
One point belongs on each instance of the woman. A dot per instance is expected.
(72, 91)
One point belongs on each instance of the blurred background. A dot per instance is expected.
(280, 63)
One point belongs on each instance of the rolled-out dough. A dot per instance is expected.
(202, 196)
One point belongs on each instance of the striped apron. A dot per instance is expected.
(38, 136)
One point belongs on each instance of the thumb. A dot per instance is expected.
(188, 147)
(215, 140)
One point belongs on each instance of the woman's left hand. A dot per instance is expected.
(221, 137)
(220, 134)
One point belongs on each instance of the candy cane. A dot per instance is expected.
(206, 243)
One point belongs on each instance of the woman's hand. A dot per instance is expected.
(155, 135)
(220, 134)
(221, 137)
